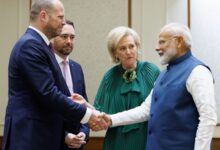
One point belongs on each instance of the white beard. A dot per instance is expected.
(168, 55)
(164, 59)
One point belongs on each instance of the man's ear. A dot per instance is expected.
(179, 41)
(43, 16)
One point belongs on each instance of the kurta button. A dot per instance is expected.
(149, 132)
(155, 99)
(151, 115)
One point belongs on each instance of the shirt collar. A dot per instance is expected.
(59, 59)
(46, 40)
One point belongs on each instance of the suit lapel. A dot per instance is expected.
(54, 65)
(72, 71)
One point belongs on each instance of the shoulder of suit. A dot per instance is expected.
(74, 63)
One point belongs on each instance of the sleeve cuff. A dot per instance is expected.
(87, 115)
(114, 120)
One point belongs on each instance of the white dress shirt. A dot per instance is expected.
(200, 85)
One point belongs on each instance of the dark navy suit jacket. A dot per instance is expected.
(37, 105)
(79, 87)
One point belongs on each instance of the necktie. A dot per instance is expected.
(67, 75)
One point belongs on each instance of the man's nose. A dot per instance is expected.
(63, 22)
(69, 40)
(157, 48)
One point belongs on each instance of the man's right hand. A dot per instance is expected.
(97, 122)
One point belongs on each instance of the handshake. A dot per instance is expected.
(98, 120)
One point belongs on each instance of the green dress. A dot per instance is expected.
(115, 95)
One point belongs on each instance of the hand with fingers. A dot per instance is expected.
(96, 121)
(107, 119)
(80, 99)
(103, 122)
(75, 141)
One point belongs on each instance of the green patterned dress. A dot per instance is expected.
(115, 95)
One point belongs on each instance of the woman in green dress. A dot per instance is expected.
(125, 86)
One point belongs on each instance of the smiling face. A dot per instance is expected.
(126, 52)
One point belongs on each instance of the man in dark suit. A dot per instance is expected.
(38, 105)
(76, 133)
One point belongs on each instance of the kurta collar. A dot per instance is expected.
(180, 59)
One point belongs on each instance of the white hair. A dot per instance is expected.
(115, 35)
(177, 29)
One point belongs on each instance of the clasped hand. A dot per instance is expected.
(98, 120)
(75, 141)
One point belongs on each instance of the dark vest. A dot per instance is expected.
(173, 116)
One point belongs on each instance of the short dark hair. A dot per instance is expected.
(70, 23)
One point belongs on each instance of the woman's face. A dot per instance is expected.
(126, 52)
